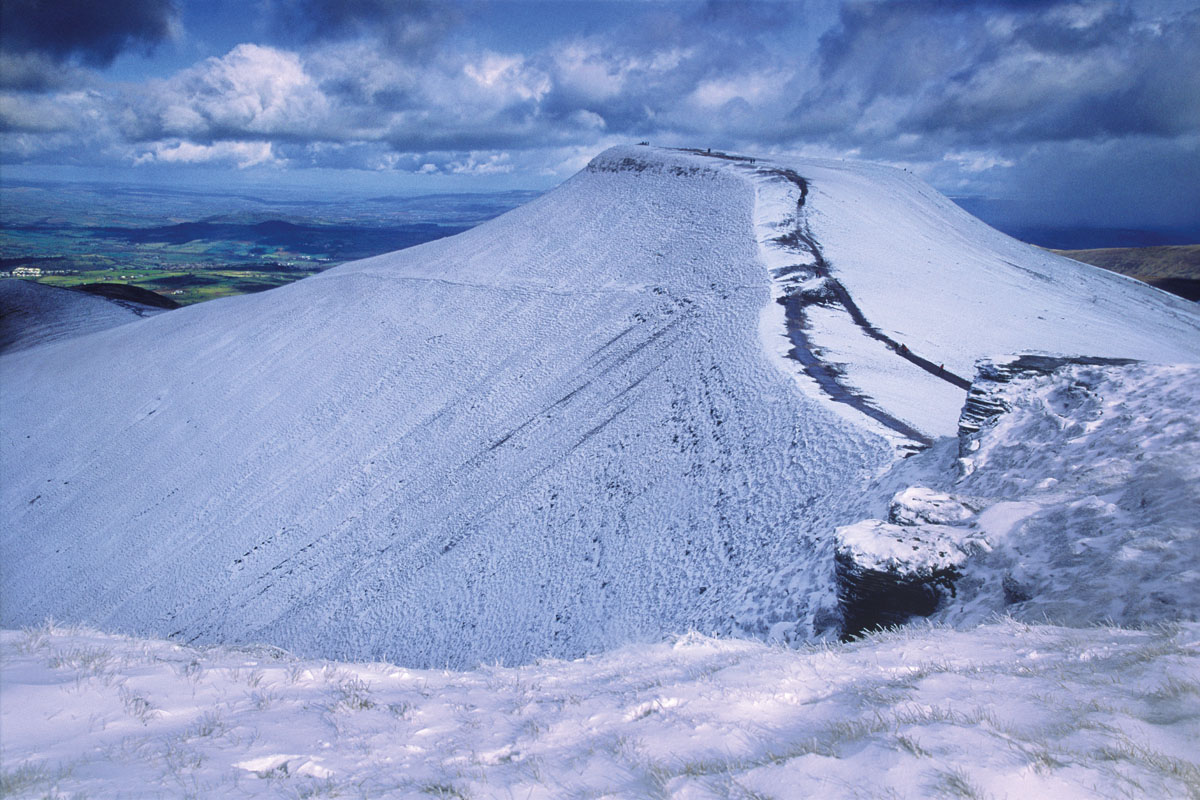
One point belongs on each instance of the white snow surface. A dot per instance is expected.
(551, 435)
(1003, 710)
(910, 549)
(948, 287)
(1093, 482)
(956, 290)
(918, 504)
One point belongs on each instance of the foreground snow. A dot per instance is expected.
(1007, 709)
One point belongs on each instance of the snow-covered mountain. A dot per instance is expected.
(641, 404)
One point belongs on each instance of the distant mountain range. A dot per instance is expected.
(335, 241)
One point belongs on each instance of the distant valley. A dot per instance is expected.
(192, 246)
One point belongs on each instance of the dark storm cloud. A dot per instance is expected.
(994, 72)
(991, 97)
(90, 31)
(642, 75)
(400, 24)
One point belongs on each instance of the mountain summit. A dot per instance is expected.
(640, 404)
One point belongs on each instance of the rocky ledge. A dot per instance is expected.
(888, 572)
(985, 399)
(1017, 472)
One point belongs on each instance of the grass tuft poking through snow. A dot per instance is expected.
(1005, 709)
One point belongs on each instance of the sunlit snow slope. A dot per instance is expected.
(580, 424)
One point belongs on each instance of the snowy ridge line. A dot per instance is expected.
(833, 285)
(826, 375)
(797, 290)
(861, 321)
(136, 308)
(33, 314)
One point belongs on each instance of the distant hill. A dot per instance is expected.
(1004, 216)
(128, 292)
(1083, 238)
(33, 314)
(337, 241)
(1175, 269)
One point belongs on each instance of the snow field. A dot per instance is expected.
(1006, 709)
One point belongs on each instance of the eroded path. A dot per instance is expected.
(805, 285)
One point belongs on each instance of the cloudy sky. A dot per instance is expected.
(1064, 112)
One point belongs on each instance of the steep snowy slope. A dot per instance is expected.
(554, 433)
(33, 314)
(902, 290)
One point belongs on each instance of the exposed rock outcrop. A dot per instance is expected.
(1073, 499)
(888, 572)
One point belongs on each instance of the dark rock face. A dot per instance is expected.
(872, 599)
(887, 573)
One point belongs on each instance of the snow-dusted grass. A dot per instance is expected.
(1006, 709)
